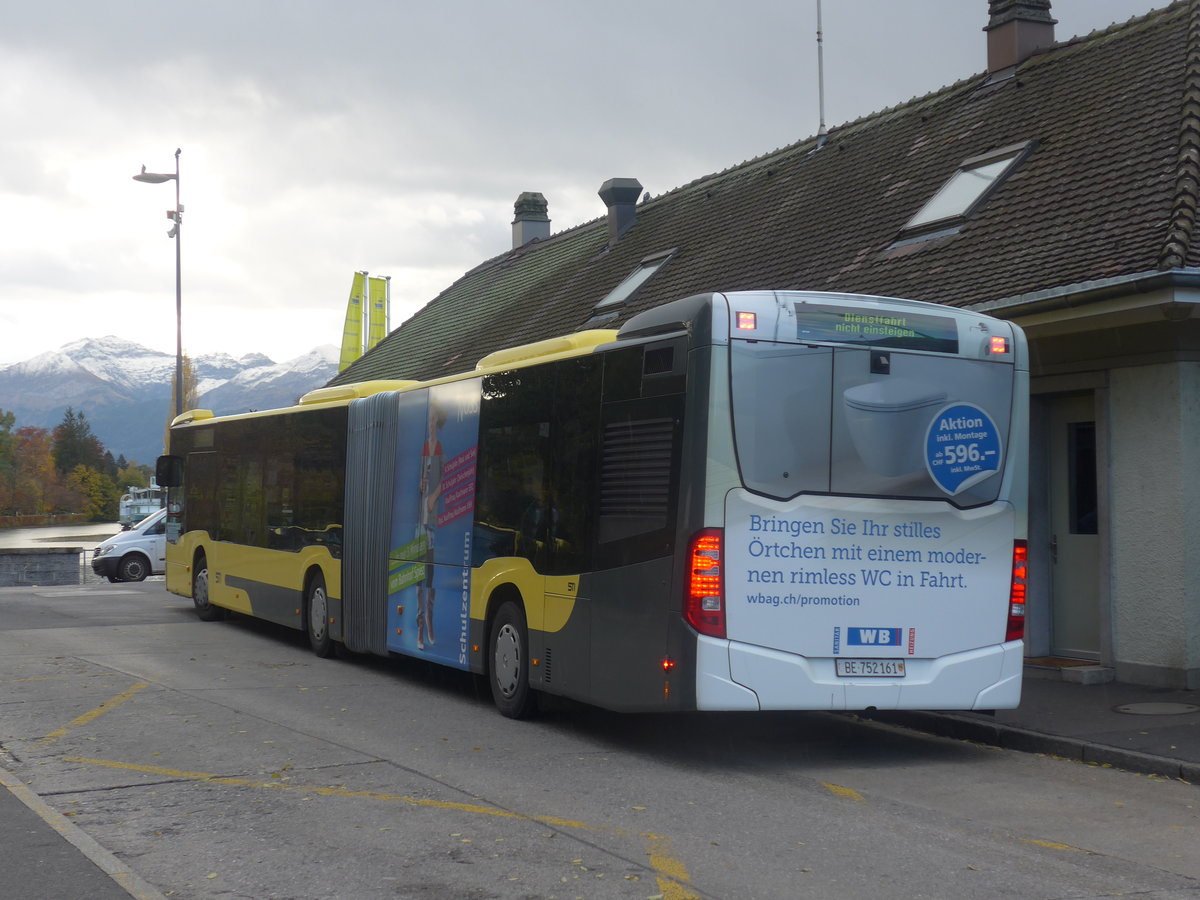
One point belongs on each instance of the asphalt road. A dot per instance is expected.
(224, 760)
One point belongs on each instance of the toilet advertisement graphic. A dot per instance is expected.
(962, 447)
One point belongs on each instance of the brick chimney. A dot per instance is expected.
(1016, 30)
(620, 195)
(530, 220)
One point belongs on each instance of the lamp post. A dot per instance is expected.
(176, 216)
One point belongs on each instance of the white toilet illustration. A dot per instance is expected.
(888, 420)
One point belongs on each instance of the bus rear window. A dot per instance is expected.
(825, 420)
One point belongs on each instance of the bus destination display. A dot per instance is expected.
(878, 328)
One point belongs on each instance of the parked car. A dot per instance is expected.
(136, 553)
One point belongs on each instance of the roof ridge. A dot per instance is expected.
(1182, 224)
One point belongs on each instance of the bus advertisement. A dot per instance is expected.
(740, 501)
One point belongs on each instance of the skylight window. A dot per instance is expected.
(634, 280)
(967, 189)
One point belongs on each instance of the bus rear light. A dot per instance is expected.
(704, 606)
(1016, 594)
(668, 664)
(747, 321)
(998, 344)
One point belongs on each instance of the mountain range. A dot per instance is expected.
(124, 389)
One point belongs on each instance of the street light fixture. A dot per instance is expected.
(176, 216)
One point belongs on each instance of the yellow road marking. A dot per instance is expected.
(844, 792)
(1053, 845)
(672, 874)
(92, 715)
(213, 778)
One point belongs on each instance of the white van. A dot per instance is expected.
(136, 553)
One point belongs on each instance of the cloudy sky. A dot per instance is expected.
(323, 137)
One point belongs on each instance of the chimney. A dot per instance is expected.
(530, 220)
(1016, 30)
(620, 195)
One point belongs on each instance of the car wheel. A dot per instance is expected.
(509, 662)
(316, 616)
(133, 567)
(205, 610)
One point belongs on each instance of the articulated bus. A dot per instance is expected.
(740, 501)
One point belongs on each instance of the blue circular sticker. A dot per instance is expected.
(962, 447)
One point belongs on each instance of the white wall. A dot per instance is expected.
(1155, 523)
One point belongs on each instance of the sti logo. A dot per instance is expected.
(873, 637)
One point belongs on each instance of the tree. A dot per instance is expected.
(133, 475)
(191, 399)
(35, 479)
(7, 461)
(97, 492)
(75, 445)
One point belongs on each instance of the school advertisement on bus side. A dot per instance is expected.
(429, 566)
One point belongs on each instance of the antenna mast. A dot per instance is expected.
(821, 131)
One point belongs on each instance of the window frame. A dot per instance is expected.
(621, 294)
(919, 228)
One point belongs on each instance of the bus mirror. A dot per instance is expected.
(168, 471)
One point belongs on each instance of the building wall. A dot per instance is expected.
(1154, 442)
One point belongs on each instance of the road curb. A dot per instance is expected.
(85, 844)
(1012, 738)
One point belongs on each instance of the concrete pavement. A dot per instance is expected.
(45, 857)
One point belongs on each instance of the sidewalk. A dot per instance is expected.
(45, 857)
(1155, 731)
(1147, 730)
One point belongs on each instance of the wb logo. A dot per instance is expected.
(873, 637)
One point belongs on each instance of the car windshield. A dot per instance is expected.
(149, 520)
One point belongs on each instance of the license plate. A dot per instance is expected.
(869, 668)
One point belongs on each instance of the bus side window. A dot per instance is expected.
(201, 509)
(575, 444)
(512, 502)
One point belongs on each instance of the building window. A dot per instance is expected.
(968, 188)
(630, 283)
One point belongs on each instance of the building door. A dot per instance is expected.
(1074, 528)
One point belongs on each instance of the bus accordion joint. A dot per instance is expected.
(1016, 595)
(704, 607)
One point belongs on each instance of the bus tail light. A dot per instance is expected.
(1016, 594)
(704, 606)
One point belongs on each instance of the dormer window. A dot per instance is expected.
(610, 305)
(630, 283)
(966, 191)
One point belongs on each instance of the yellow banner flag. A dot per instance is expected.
(379, 296)
(352, 345)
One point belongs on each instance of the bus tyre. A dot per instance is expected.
(205, 610)
(316, 617)
(133, 567)
(509, 662)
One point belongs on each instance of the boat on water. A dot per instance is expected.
(140, 502)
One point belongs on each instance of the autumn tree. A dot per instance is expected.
(36, 484)
(98, 497)
(7, 462)
(191, 399)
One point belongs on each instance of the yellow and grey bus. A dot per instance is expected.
(739, 501)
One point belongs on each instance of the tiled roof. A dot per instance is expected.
(1109, 190)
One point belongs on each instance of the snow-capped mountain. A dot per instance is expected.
(124, 389)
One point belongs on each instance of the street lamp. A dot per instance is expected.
(176, 216)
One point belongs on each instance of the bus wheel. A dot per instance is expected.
(205, 610)
(510, 662)
(316, 617)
